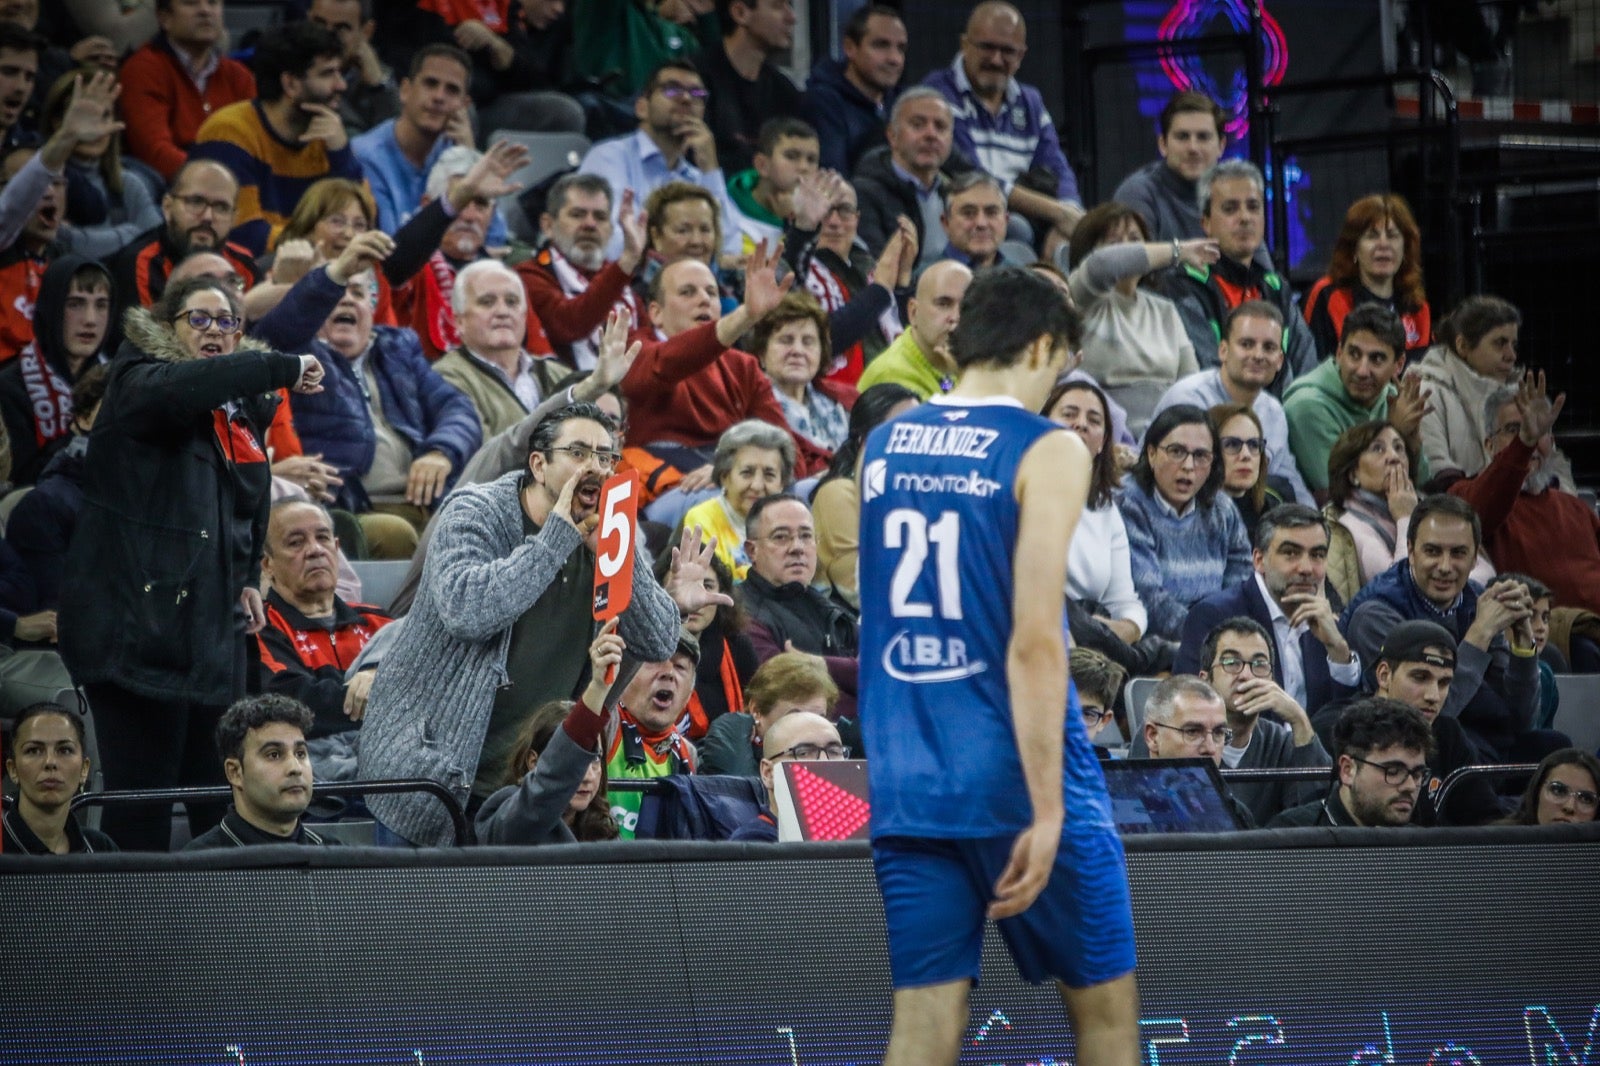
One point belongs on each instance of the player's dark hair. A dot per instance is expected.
(1005, 310)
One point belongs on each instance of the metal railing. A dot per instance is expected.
(132, 797)
(1490, 771)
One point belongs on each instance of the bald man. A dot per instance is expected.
(799, 735)
(197, 213)
(918, 358)
(1003, 125)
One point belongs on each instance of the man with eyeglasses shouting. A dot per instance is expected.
(672, 143)
(802, 736)
(1249, 355)
(502, 620)
(1288, 596)
(1383, 748)
(1237, 661)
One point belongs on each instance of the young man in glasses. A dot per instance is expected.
(1383, 749)
(672, 143)
(1237, 661)
(1249, 356)
(1288, 596)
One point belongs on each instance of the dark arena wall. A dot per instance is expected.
(1399, 948)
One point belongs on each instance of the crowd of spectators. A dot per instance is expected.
(261, 314)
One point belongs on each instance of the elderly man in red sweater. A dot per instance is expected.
(685, 389)
(173, 84)
(1529, 523)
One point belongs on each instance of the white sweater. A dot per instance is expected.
(1098, 568)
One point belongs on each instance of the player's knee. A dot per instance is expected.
(1111, 1006)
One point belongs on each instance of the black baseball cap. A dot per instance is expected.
(1419, 642)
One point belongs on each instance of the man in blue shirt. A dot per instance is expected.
(1003, 125)
(987, 798)
(397, 155)
(672, 143)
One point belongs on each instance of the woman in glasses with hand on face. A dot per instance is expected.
(161, 593)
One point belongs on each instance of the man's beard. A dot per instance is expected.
(590, 258)
(183, 240)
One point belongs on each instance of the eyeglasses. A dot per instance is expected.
(1234, 445)
(200, 321)
(197, 204)
(1093, 717)
(1178, 454)
(1395, 773)
(844, 210)
(679, 92)
(1261, 666)
(783, 537)
(582, 454)
(1195, 733)
(807, 752)
(1560, 790)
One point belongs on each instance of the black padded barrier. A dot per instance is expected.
(1337, 947)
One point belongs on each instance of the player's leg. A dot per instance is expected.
(928, 1025)
(1105, 1021)
(933, 912)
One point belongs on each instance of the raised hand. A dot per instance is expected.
(691, 567)
(910, 248)
(325, 126)
(459, 128)
(310, 382)
(814, 197)
(762, 289)
(365, 251)
(1199, 252)
(318, 478)
(1400, 492)
(488, 177)
(615, 357)
(635, 232)
(91, 113)
(292, 261)
(605, 652)
(1407, 407)
(1533, 403)
(887, 270)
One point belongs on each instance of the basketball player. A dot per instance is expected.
(987, 798)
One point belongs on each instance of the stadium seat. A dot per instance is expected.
(1579, 714)
(1136, 695)
(548, 153)
(380, 579)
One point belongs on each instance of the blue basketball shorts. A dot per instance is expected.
(1079, 930)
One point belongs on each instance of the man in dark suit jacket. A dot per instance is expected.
(1311, 660)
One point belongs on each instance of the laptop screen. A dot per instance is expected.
(1168, 796)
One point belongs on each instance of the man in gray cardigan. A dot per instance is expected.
(502, 623)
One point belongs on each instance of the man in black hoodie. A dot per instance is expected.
(71, 321)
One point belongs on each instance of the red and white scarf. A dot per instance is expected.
(49, 397)
(831, 293)
(438, 282)
(573, 282)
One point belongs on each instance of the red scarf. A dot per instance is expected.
(732, 691)
(438, 282)
(49, 397)
(575, 282)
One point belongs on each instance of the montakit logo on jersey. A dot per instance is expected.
(969, 484)
(874, 476)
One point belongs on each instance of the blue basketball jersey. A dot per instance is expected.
(939, 519)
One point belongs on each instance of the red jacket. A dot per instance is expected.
(1551, 535)
(164, 109)
(689, 389)
(571, 318)
(306, 658)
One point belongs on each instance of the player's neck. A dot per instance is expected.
(985, 382)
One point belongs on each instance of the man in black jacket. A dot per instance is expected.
(262, 741)
(1381, 751)
(908, 175)
(786, 612)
